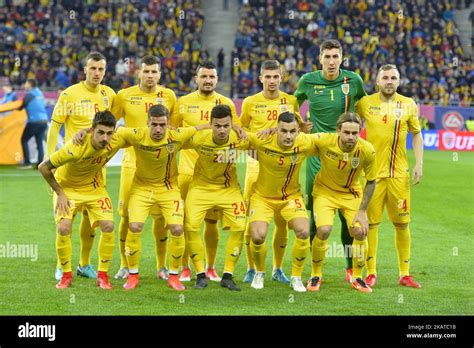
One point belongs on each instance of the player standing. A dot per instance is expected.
(330, 92)
(259, 112)
(76, 108)
(133, 104)
(191, 110)
(389, 117)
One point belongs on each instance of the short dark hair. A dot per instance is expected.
(221, 111)
(150, 60)
(330, 44)
(104, 118)
(96, 56)
(386, 67)
(287, 117)
(272, 64)
(32, 82)
(348, 117)
(206, 65)
(158, 110)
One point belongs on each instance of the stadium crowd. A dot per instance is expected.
(46, 40)
(420, 37)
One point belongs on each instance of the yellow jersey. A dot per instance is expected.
(278, 177)
(192, 110)
(340, 171)
(215, 166)
(156, 160)
(387, 126)
(260, 113)
(77, 105)
(80, 166)
(133, 104)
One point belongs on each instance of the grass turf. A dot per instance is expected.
(441, 260)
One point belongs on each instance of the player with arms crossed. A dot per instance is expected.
(75, 109)
(389, 117)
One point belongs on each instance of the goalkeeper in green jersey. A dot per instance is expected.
(330, 92)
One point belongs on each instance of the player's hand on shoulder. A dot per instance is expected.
(240, 132)
(306, 127)
(266, 133)
(78, 138)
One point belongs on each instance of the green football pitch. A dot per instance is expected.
(441, 260)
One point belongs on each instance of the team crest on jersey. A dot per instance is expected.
(106, 101)
(355, 161)
(170, 147)
(283, 108)
(345, 88)
(159, 100)
(294, 158)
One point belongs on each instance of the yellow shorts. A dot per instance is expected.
(126, 179)
(263, 209)
(169, 202)
(227, 200)
(325, 205)
(183, 182)
(251, 175)
(96, 203)
(393, 193)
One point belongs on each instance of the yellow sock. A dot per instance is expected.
(248, 251)
(87, 234)
(160, 234)
(280, 240)
(319, 254)
(106, 250)
(195, 250)
(211, 239)
(133, 250)
(373, 240)
(359, 254)
(259, 255)
(402, 240)
(299, 254)
(233, 250)
(176, 252)
(123, 230)
(64, 251)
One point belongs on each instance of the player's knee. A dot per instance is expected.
(176, 230)
(64, 228)
(135, 227)
(302, 233)
(258, 237)
(323, 232)
(106, 226)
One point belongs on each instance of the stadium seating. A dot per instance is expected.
(46, 41)
(421, 40)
